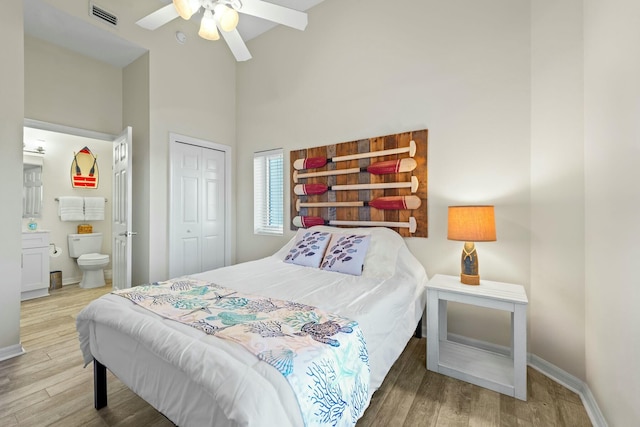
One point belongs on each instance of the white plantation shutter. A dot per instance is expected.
(268, 192)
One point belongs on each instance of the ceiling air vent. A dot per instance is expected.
(103, 15)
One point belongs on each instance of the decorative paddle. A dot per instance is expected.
(93, 167)
(378, 168)
(310, 221)
(313, 189)
(388, 202)
(318, 162)
(75, 159)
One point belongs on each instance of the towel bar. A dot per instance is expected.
(105, 199)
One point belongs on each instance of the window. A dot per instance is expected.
(268, 192)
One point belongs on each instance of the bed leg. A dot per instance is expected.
(418, 333)
(99, 385)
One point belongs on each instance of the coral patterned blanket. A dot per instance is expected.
(323, 356)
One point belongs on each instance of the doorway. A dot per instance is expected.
(59, 144)
(200, 195)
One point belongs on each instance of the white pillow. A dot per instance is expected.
(382, 255)
(308, 248)
(346, 253)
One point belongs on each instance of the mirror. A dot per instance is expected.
(32, 186)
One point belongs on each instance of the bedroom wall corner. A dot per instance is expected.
(12, 113)
(557, 297)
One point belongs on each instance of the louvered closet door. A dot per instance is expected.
(197, 209)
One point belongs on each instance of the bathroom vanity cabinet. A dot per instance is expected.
(35, 264)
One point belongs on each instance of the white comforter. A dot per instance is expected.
(237, 388)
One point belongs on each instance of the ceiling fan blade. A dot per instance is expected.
(236, 44)
(158, 18)
(272, 12)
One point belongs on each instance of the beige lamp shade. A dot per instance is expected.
(471, 224)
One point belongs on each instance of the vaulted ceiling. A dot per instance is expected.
(43, 21)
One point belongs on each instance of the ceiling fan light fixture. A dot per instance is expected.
(225, 19)
(185, 8)
(227, 16)
(208, 28)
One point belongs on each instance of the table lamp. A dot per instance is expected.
(471, 224)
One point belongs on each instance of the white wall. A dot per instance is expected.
(12, 113)
(459, 68)
(557, 185)
(59, 151)
(65, 88)
(612, 153)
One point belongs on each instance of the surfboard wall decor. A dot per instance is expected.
(84, 169)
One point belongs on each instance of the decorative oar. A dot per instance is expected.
(313, 189)
(310, 221)
(93, 166)
(388, 202)
(378, 168)
(318, 162)
(75, 160)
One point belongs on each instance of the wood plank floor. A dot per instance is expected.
(48, 386)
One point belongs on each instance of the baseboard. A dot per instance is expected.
(548, 369)
(11, 351)
(572, 383)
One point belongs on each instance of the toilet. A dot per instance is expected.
(86, 248)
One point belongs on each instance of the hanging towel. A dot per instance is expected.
(71, 208)
(94, 208)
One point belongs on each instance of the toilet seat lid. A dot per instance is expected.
(93, 257)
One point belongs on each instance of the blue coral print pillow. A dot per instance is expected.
(346, 253)
(308, 248)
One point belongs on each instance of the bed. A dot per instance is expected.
(198, 379)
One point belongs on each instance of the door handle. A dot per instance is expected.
(128, 233)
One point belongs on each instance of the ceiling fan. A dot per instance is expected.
(223, 15)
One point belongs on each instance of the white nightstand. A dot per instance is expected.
(505, 374)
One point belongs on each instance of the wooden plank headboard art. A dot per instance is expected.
(333, 204)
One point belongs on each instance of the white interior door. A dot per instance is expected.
(121, 227)
(198, 219)
(213, 209)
